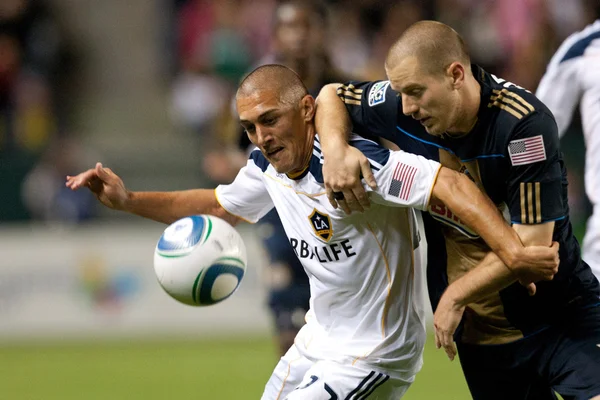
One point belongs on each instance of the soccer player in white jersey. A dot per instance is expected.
(573, 77)
(365, 329)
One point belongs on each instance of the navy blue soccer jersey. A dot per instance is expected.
(513, 155)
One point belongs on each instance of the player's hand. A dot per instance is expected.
(104, 184)
(341, 172)
(537, 263)
(445, 321)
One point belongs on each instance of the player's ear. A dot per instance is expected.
(307, 105)
(456, 71)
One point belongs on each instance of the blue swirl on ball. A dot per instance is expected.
(179, 235)
(209, 279)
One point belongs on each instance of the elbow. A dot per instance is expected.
(327, 91)
(447, 185)
(331, 87)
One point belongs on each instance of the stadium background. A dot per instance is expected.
(143, 86)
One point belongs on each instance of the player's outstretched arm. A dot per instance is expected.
(343, 164)
(166, 207)
(475, 209)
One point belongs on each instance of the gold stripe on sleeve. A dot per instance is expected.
(523, 215)
(530, 202)
(538, 203)
(506, 108)
(505, 93)
(350, 101)
(504, 99)
(348, 93)
(350, 88)
(520, 100)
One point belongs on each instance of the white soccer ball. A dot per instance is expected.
(200, 260)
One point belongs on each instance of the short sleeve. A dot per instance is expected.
(535, 192)
(247, 196)
(375, 110)
(372, 107)
(406, 180)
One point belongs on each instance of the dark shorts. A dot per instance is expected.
(564, 358)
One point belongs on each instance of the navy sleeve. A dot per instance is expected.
(376, 111)
(535, 179)
(373, 107)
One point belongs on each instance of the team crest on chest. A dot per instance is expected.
(321, 224)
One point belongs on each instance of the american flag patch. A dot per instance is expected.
(402, 181)
(527, 151)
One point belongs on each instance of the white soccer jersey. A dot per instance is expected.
(363, 306)
(572, 77)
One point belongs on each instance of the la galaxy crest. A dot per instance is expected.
(321, 224)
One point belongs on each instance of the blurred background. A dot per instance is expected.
(146, 87)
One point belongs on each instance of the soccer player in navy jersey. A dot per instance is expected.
(435, 103)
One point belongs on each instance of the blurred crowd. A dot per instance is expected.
(36, 146)
(218, 41)
(213, 43)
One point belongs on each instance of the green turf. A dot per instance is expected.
(149, 370)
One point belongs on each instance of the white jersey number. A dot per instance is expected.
(507, 84)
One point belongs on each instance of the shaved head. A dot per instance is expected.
(277, 113)
(434, 45)
(276, 79)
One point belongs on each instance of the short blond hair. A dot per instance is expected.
(435, 45)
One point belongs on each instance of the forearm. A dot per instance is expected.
(331, 119)
(477, 211)
(489, 276)
(168, 207)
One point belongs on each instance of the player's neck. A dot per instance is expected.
(306, 154)
(467, 119)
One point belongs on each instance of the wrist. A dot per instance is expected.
(128, 202)
(511, 258)
(453, 296)
(333, 144)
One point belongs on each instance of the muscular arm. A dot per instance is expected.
(344, 165)
(168, 207)
(331, 119)
(491, 275)
(477, 211)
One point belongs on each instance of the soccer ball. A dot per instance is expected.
(200, 260)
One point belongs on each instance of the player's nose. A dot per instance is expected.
(409, 107)
(263, 136)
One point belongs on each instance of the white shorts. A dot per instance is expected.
(297, 378)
